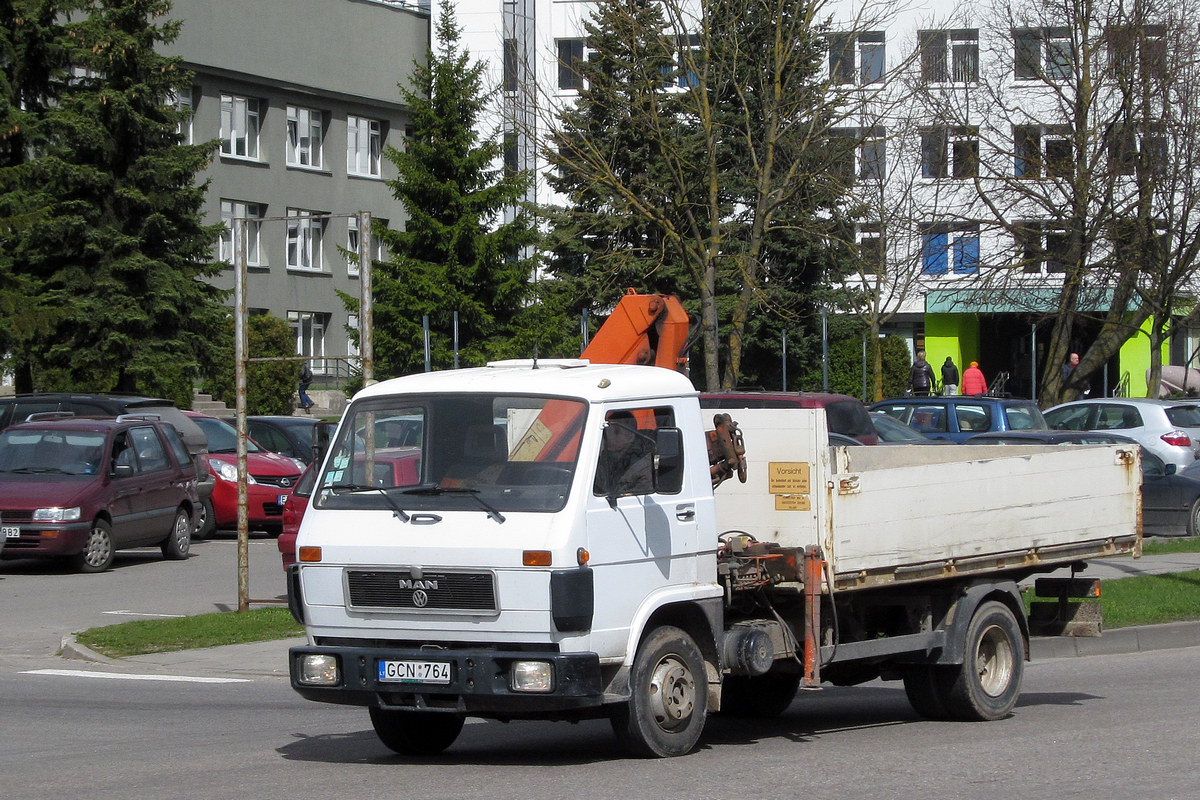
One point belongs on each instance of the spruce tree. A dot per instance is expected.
(119, 247)
(456, 253)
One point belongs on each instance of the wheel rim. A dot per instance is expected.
(98, 547)
(994, 661)
(183, 532)
(202, 517)
(672, 693)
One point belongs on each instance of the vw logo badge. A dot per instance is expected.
(420, 598)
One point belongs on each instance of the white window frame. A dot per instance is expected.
(185, 104)
(364, 146)
(251, 212)
(241, 125)
(305, 137)
(308, 328)
(305, 235)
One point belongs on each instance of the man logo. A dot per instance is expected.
(420, 598)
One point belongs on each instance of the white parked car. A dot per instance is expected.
(1168, 428)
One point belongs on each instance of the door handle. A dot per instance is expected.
(685, 513)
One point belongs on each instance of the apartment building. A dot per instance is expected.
(301, 98)
(931, 157)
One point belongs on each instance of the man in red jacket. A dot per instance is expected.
(973, 381)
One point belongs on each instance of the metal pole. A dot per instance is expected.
(425, 331)
(456, 340)
(1033, 362)
(864, 367)
(366, 326)
(824, 350)
(784, 334)
(583, 328)
(240, 345)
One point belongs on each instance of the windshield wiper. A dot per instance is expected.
(41, 470)
(399, 512)
(472, 493)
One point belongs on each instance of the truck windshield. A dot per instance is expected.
(478, 452)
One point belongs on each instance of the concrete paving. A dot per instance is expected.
(270, 658)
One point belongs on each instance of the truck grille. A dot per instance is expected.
(433, 591)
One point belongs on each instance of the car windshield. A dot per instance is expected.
(51, 452)
(891, 430)
(1024, 418)
(222, 437)
(481, 452)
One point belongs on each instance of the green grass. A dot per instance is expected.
(1182, 544)
(185, 633)
(1151, 599)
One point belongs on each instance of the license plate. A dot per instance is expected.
(414, 672)
(281, 499)
(11, 532)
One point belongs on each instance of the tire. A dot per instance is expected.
(98, 550)
(925, 686)
(179, 541)
(415, 733)
(668, 699)
(762, 697)
(986, 685)
(206, 521)
(1193, 520)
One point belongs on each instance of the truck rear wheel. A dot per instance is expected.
(987, 684)
(668, 698)
(762, 697)
(415, 733)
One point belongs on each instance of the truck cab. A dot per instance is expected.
(492, 574)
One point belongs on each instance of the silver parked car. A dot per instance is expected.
(1169, 429)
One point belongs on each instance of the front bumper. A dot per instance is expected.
(479, 681)
(47, 539)
(262, 504)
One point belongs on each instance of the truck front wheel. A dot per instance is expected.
(668, 698)
(415, 733)
(987, 684)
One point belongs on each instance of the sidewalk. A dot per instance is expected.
(269, 659)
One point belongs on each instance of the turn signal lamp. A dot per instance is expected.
(309, 554)
(536, 558)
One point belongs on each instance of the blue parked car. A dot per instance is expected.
(960, 417)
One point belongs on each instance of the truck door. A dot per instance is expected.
(642, 522)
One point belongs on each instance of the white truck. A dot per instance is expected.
(476, 546)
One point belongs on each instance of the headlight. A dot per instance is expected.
(531, 676)
(319, 670)
(228, 472)
(56, 514)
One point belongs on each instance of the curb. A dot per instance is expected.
(1138, 639)
(74, 650)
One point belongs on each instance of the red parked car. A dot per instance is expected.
(85, 488)
(270, 480)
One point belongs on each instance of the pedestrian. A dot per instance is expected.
(306, 379)
(920, 377)
(973, 381)
(1068, 371)
(949, 378)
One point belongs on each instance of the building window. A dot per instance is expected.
(949, 152)
(872, 251)
(856, 58)
(364, 146)
(858, 152)
(1041, 248)
(304, 135)
(304, 234)
(309, 330)
(688, 48)
(570, 58)
(946, 246)
(949, 56)
(185, 104)
(1129, 151)
(1042, 151)
(352, 348)
(253, 214)
(241, 120)
(872, 155)
(510, 65)
(1042, 53)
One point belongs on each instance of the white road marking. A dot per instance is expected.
(143, 614)
(119, 676)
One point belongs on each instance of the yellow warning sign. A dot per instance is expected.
(788, 477)
(792, 502)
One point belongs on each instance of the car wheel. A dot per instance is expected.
(668, 696)
(206, 521)
(98, 550)
(415, 733)
(1193, 521)
(179, 541)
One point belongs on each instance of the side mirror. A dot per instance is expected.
(1170, 469)
(122, 471)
